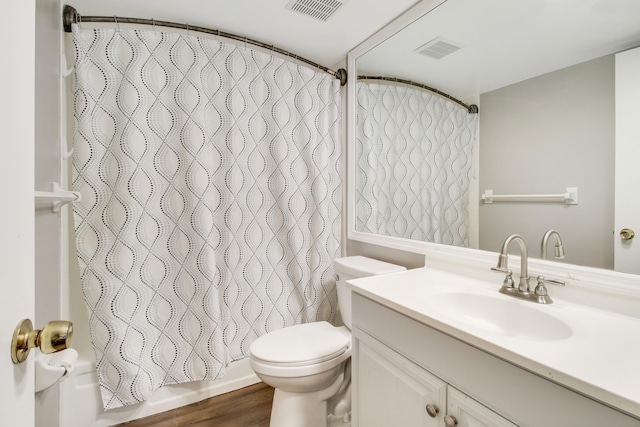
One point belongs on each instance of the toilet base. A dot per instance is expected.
(302, 409)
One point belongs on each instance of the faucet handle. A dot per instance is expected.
(541, 289)
(540, 292)
(554, 282)
(508, 280)
(541, 279)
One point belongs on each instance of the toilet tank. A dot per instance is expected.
(355, 267)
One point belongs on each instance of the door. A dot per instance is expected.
(16, 209)
(627, 175)
(393, 391)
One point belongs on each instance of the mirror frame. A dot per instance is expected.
(438, 253)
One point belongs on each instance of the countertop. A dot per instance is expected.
(595, 352)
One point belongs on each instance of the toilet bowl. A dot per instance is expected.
(308, 364)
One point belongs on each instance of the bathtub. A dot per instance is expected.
(81, 405)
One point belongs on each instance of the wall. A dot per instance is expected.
(47, 158)
(540, 136)
(407, 259)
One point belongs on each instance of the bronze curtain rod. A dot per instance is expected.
(472, 109)
(71, 16)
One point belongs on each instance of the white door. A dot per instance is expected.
(392, 391)
(627, 178)
(16, 208)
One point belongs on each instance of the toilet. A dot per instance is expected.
(309, 364)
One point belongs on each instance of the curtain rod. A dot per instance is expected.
(71, 16)
(472, 109)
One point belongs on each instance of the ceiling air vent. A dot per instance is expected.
(438, 48)
(318, 9)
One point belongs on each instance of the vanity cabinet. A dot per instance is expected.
(400, 366)
(393, 391)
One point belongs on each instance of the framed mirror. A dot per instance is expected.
(544, 77)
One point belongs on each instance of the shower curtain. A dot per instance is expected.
(211, 197)
(413, 160)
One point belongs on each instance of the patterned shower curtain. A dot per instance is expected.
(413, 160)
(211, 197)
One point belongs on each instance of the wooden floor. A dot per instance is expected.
(247, 407)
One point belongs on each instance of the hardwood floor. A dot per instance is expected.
(247, 407)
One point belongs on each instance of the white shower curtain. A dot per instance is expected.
(413, 160)
(211, 197)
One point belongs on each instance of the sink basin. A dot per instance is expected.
(500, 315)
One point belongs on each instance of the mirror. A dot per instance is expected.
(543, 75)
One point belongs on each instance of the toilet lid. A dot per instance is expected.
(309, 342)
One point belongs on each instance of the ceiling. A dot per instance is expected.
(504, 41)
(326, 43)
(516, 41)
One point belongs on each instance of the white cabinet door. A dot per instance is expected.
(392, 391)
(468, 413)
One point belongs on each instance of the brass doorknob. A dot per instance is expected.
(627, 234)
(54, 336)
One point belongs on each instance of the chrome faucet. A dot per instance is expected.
(523, 290)
(559, 245)
(503, 261)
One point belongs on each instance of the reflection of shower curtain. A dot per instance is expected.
(210, 212)
(413, 157)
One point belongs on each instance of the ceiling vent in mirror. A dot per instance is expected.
(318, 9)
(438, 48)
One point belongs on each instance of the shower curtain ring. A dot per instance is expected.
(115, 19)
(187, 29)
(153, 24)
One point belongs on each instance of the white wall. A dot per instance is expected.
(47, 158)
(540, 136)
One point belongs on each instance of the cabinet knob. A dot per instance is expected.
(432, 410)
(450, 421)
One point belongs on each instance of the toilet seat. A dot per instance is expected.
(301, 350)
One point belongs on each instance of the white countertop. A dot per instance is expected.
(597, 355)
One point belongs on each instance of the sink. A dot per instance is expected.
(500, 315)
